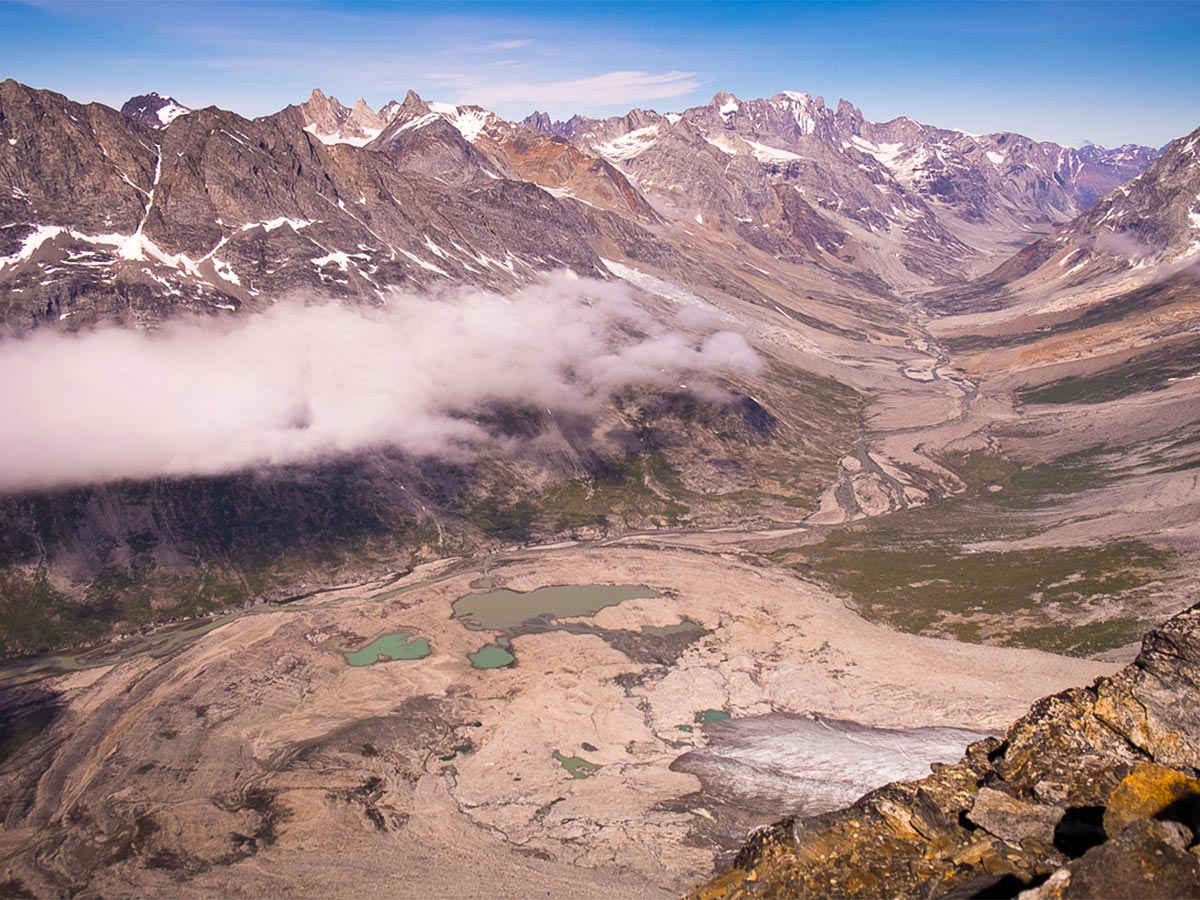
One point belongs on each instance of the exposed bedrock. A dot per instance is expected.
(1092, 794)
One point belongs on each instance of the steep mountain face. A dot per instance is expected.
(104, 218)
(153, 111)
(439, 146)
(759, 173)
(945, 202)
(1000, 179)
(1152, 221)
(1093, 793)
(517, 151)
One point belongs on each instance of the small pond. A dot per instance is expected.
(577, 766)
(505, 610)
(514, 613)
(400, 645)
(491, 656)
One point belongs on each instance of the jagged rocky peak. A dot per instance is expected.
(398, 112)
(437, 140)
(363, 115)
(642, 118)
(388, 112)
(418, 113)
(725, 104)
(334, 123)
(539, 121)
(800, 98)
(412, 103)
(153, 110)
(849, 116)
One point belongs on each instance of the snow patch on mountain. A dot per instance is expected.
(469, 120)
(31, 243)
(887, 154)
(763, 153)
(629, 145)
(271, 225)
(169, 113)
(369, 134)
(419, 122)
(153, 110)
(661, 288)
(428, 266)
(722, 142)
(224, 270)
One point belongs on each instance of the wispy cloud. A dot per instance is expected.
(621, 88)
(509, 45)
(300, 383)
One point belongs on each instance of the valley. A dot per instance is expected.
(592, 650)
(434, 761)
(466, 739)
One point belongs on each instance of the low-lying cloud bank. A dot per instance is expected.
(299, 383)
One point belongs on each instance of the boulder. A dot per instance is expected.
(1152, 791)
(1014, 820)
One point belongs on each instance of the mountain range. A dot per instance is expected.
(108, 210)
(947, 442)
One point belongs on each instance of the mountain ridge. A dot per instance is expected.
(987, 191)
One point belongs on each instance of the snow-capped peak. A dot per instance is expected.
(469, 120)
(153, 110)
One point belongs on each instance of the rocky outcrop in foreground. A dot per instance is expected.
(1092, 794)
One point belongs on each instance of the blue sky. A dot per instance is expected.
(1070, 72)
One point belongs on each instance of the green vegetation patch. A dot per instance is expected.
(997, 485)
(703, 459)
(511, 522)
(1029, 598)
(36, 615)
(914, 569)
(1151, 371)
(629, 491)
(1087, 638)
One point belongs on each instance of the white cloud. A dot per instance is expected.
(509, 45)
(622, 88)
(302, 383)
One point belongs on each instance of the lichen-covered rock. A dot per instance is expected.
(1152, 791)
(1092, 794)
